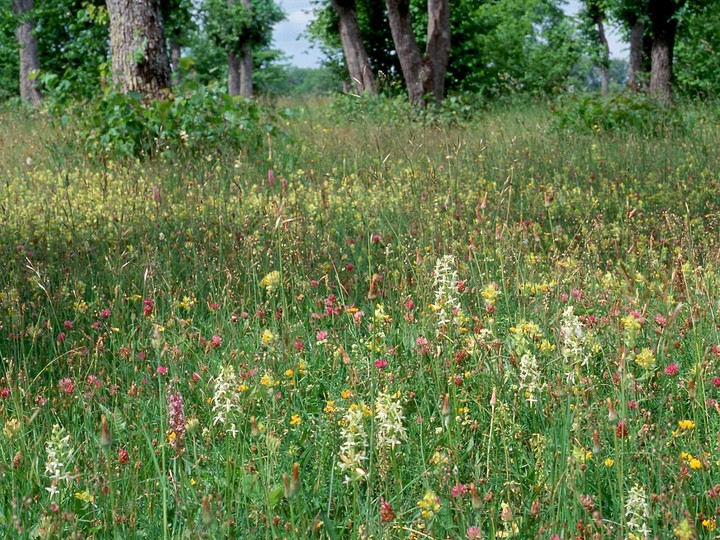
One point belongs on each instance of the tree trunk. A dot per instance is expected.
(138, 48)
(411, 63)
(605, 60)
(246, 71)
(635, 67)
(355, 55)
(437, 51)
(240, 63)
(29, 58)
(175, 55)
(664, 28)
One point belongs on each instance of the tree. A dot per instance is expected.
(423, 75)
(663, 25)
(179, 22)
(594, 12)
(633, 17)
(137, 44)
(238, 27)
(356, 58)
(29, 57)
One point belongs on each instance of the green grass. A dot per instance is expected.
(309, 311)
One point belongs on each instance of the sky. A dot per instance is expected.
(299, 13)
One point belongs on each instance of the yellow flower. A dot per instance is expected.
(345, 394)
(695, 464)
(289, 373)
(330, 407)
(710, 524)
(429, 504)
(267, 337)
(684, 531)
(295, 420)
(490, 294)
(12, 428)
(271, 281)
(85, 496)
(630, 323)
(686, 424)
(645, 359)
(267, 380)
(609, 462)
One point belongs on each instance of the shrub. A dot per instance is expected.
(624, 111)
(195, 119)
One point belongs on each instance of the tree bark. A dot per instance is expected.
(175, 55)
(412, 65)
(605, 60)
(635, 63)
(356, 57)
(233, 73)
(137, 44)
(240, 63)
(29, 57)
(437, 51)
(664, 28)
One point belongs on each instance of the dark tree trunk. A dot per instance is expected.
(605, 60)
(635, 63)
(406, 47)
(29, 58)
(355, 56)
(422, 75)
(664, 28)
(137, 44)
(233, 74)
(240, 63)
(175, 55)
(437, 51)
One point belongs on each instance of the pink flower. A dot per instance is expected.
(4, 392)
(176, 421)
(716, 382)
(659, 319)
(349, 267)
(409, 304)
(671, 369)
(162, 370)
(215, 341)
(576, 294)
(68, 325)
(61, 337)
(299, 346)
(196, 377)
(381, 363)
(473, 533)
(321, 336)
(67, 386)
(148, 306)
(123, 456)
(564, 297)
(105, 313)
(375, 238)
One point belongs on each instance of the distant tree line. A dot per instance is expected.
(429, 47)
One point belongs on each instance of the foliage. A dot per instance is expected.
(230, 25)
(522, 47)
(194, 120)
(621, 112)
(697, 52)
(73, 44)
(490, 330)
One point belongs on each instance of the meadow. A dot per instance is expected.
(367, 328)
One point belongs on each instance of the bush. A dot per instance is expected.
(196, 119)
(626, 111)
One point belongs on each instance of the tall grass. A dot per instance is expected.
(556, 376)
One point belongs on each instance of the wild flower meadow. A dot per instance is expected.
(409, 330)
